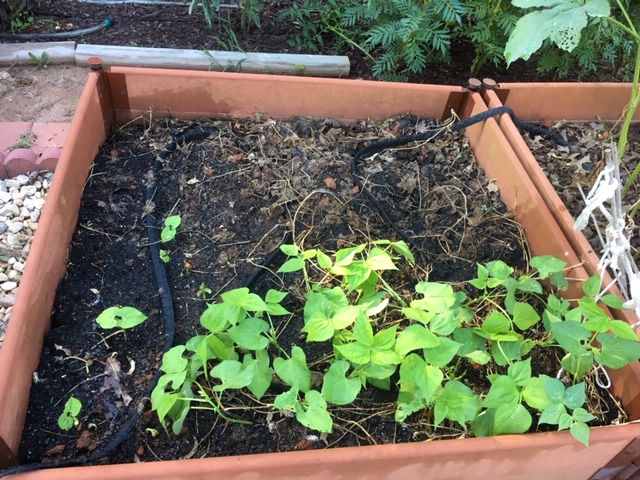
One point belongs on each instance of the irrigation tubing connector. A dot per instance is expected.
(433, 134)
(108, 22)
(161, 275)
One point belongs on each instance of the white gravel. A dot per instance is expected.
(21, 201)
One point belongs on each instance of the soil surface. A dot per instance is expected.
(239, 192)
(32, 94)
(573, 171)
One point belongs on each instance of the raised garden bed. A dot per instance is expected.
(122, 95)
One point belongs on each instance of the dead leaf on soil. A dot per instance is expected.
(330, 183)
(492, 187)
(87, 441)
(112, 373)
(57, 450)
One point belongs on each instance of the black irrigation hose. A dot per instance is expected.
(58, 35)
(432, 134)
(167, 312)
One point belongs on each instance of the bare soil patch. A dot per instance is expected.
(33, 94)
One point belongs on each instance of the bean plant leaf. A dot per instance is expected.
(403, 249)
(570, 336)
(499, 270)
(418, 314)
(480, 282)
(232, 374)
(591, 286)
(120, 317)
(504, 352)
(379, 259)
(275, 296)
(456, 402)
(503, 391)
(262, 377)
(623, 330)
(562, 21)
(356, 352)
(520, 372)
(428, 379)
(314, 413)
(535, 395)
(218, 316)
(291, 265)
(616, 352)
(438, 297)
(528, 284)
(580, 432)
(574, 396)
(68, 419)
(552, 414)
(337, 388)
(582, 415)
(246, 300)
(496, 322)
(170, 229)
(524, 316)
(613, 301)
(554, 388)
(290, 250)
(248, 334)
(547, 264)
(577, 364)
(323, 260)
(415, 337)
(294, 371)
(511, 418)
(326, 311)
(286, 400)
(173, 361)
(442, 354)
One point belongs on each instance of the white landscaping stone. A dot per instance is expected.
(10, 210)
(15, 227)
(21, 202)
(8, 286)
(22, 180)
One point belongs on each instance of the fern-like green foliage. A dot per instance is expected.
(410, 33)
(402, 37)
(601, 44)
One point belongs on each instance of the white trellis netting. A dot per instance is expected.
(605, 196)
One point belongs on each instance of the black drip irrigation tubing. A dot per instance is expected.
(433, 134)
(167, 312)
(163, 282)
(108, 22)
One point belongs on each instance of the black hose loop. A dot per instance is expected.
(376, 147)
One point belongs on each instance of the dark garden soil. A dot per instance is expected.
(577, 168)
(239, 192)
(169, 26)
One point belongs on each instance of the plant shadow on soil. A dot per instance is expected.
(239, 192)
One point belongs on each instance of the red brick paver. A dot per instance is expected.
(41, 154)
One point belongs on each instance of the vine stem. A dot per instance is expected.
(631, 109)
(337, 32)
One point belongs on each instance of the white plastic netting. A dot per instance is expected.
(605, 197)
